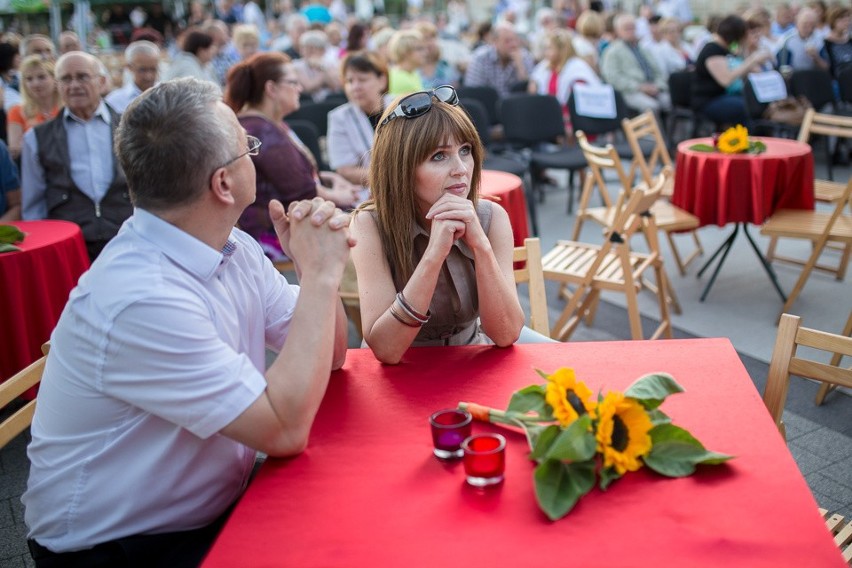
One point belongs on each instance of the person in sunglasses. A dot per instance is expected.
(434, 262)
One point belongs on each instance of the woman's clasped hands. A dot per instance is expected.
(452, 218)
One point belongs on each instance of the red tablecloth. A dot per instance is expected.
(34, 286)
(743, 188)
(510, 190)
(367, 491)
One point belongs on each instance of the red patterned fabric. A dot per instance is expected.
(509, 189)
(368, 492)
(743, 188)
(34, 286)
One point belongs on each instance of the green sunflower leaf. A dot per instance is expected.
(651, 390)
(10, 234)
(657, 417)
(670, 432)
(675, 452)
(702, 148)
(543, 441)
(575, 443)
(5, 247)
(608, 475)
(559, 485)
(528, 399)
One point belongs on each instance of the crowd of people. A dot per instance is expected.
(335, 55)
(186, 181)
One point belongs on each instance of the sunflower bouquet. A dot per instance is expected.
(732, 141)
(578, 439)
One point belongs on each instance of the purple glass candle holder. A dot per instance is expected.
(484, 459)
(449, 429)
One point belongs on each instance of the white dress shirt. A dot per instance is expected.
(121, 98)
(161, 345)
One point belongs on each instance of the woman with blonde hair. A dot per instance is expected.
(560, 70)
(435, 71)
(587, 43)
(434, 262)
(39, 101)
(407, 53)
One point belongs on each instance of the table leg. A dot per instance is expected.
(766, 266)
(725, 248)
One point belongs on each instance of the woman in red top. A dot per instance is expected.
(40, 101)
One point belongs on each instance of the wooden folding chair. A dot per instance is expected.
(819, 228)
(607, 158)
(826, 125)
(612, 266)
(533, 275)
(786, 362)
(670, 218)
(841, 530)
(12, 389)
(825, 388)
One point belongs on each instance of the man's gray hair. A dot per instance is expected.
(313, 38)
(95, 64)
(170, 141)
(141, 47)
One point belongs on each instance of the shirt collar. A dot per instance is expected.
(101, 112)
(182, 248)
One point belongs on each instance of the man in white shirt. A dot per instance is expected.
(143, 62)
(156, 397)
(800, 48)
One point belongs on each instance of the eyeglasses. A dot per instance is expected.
(82, 78)
(418, 104)
(253, 150)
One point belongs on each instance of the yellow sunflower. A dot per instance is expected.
(568, 397)
(622, 432)
(734, 140)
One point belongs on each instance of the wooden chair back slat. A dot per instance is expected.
(786, 362)
(532, 274)
(12, 389)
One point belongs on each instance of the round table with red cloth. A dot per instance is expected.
(743, 188)
(34, 287)
(508, 189)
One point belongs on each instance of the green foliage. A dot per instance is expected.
(675, 452)
(9, 236)
(559, 485)
(528, 399)
(651, 390)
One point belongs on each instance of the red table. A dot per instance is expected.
(509, 189)
(743, 188)
(34, 286)
(367, 491)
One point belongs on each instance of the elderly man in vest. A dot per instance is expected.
(68, 169)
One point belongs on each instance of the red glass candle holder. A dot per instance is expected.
(484, 459)
(449, 429)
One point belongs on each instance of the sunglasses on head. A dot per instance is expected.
(418, 104)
